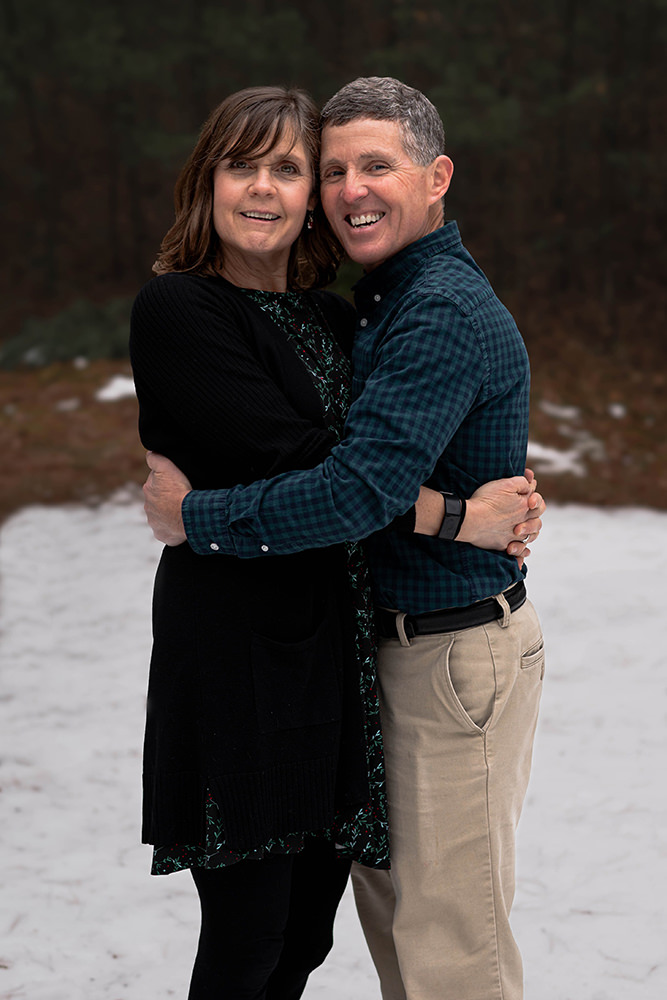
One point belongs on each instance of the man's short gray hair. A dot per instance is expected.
(382, 98)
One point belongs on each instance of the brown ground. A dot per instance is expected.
(56, 450)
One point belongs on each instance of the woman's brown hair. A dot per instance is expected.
(248, 123)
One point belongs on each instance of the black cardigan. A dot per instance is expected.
(254, 689)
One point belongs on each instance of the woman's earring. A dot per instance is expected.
(309, 219)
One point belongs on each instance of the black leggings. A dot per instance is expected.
(266, 924)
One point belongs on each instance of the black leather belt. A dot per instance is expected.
(449, 619)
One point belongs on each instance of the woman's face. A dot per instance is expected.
(259, 207)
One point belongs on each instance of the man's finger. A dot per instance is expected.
(158, 463)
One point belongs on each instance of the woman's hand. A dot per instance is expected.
(163, 495)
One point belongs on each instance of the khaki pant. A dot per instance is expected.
(458, 714)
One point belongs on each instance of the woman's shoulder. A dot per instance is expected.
(179, 286)
(176, 299)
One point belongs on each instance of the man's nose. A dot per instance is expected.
(354, 186)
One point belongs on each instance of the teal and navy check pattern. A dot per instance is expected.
(440, 396)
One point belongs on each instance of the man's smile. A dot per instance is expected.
(359, 221)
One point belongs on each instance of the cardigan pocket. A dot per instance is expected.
(296, 684)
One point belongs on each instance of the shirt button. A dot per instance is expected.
(377, 297)
(214, 546)
(265, 548)
(363, 322)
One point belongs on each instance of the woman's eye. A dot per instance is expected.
(288, 168)
(238, 164)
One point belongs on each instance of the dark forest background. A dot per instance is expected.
(556, 118)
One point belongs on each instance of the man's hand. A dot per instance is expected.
(504, 515)
(163, 493)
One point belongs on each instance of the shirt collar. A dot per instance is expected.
(403, 264)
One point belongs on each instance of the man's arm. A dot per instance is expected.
(420, 390)
(489, 522)
(428, 374)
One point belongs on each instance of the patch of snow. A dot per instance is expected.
(118, 387)
(559, 412)
(68, 405)
(81, 918)
(553, 461)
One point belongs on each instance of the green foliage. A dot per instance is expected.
(82, 330)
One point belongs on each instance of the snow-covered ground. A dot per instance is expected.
(80, 917)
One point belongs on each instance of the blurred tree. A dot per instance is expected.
(555, 116)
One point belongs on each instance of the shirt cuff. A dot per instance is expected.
(205, 522)
(404, 523)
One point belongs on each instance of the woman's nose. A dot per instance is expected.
(262, 181)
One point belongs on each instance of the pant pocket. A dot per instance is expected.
(472, 677)
(533, 657)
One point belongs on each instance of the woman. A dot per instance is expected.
(263, 766)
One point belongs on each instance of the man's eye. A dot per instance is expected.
(379, 166)
(332, 172)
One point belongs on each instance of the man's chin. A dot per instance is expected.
(367, 258)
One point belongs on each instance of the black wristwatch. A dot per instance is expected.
(455, 511)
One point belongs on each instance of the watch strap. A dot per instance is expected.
(455, 511)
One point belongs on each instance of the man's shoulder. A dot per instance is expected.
(452, 278)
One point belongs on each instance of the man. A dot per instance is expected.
(440, 396)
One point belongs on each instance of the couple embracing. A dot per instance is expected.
(346, 669)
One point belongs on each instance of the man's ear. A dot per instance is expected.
(442, 169)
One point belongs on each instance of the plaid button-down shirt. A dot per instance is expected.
(440, 396)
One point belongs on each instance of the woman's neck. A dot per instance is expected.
(268, 275)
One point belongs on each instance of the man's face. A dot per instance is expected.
(376, 199)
